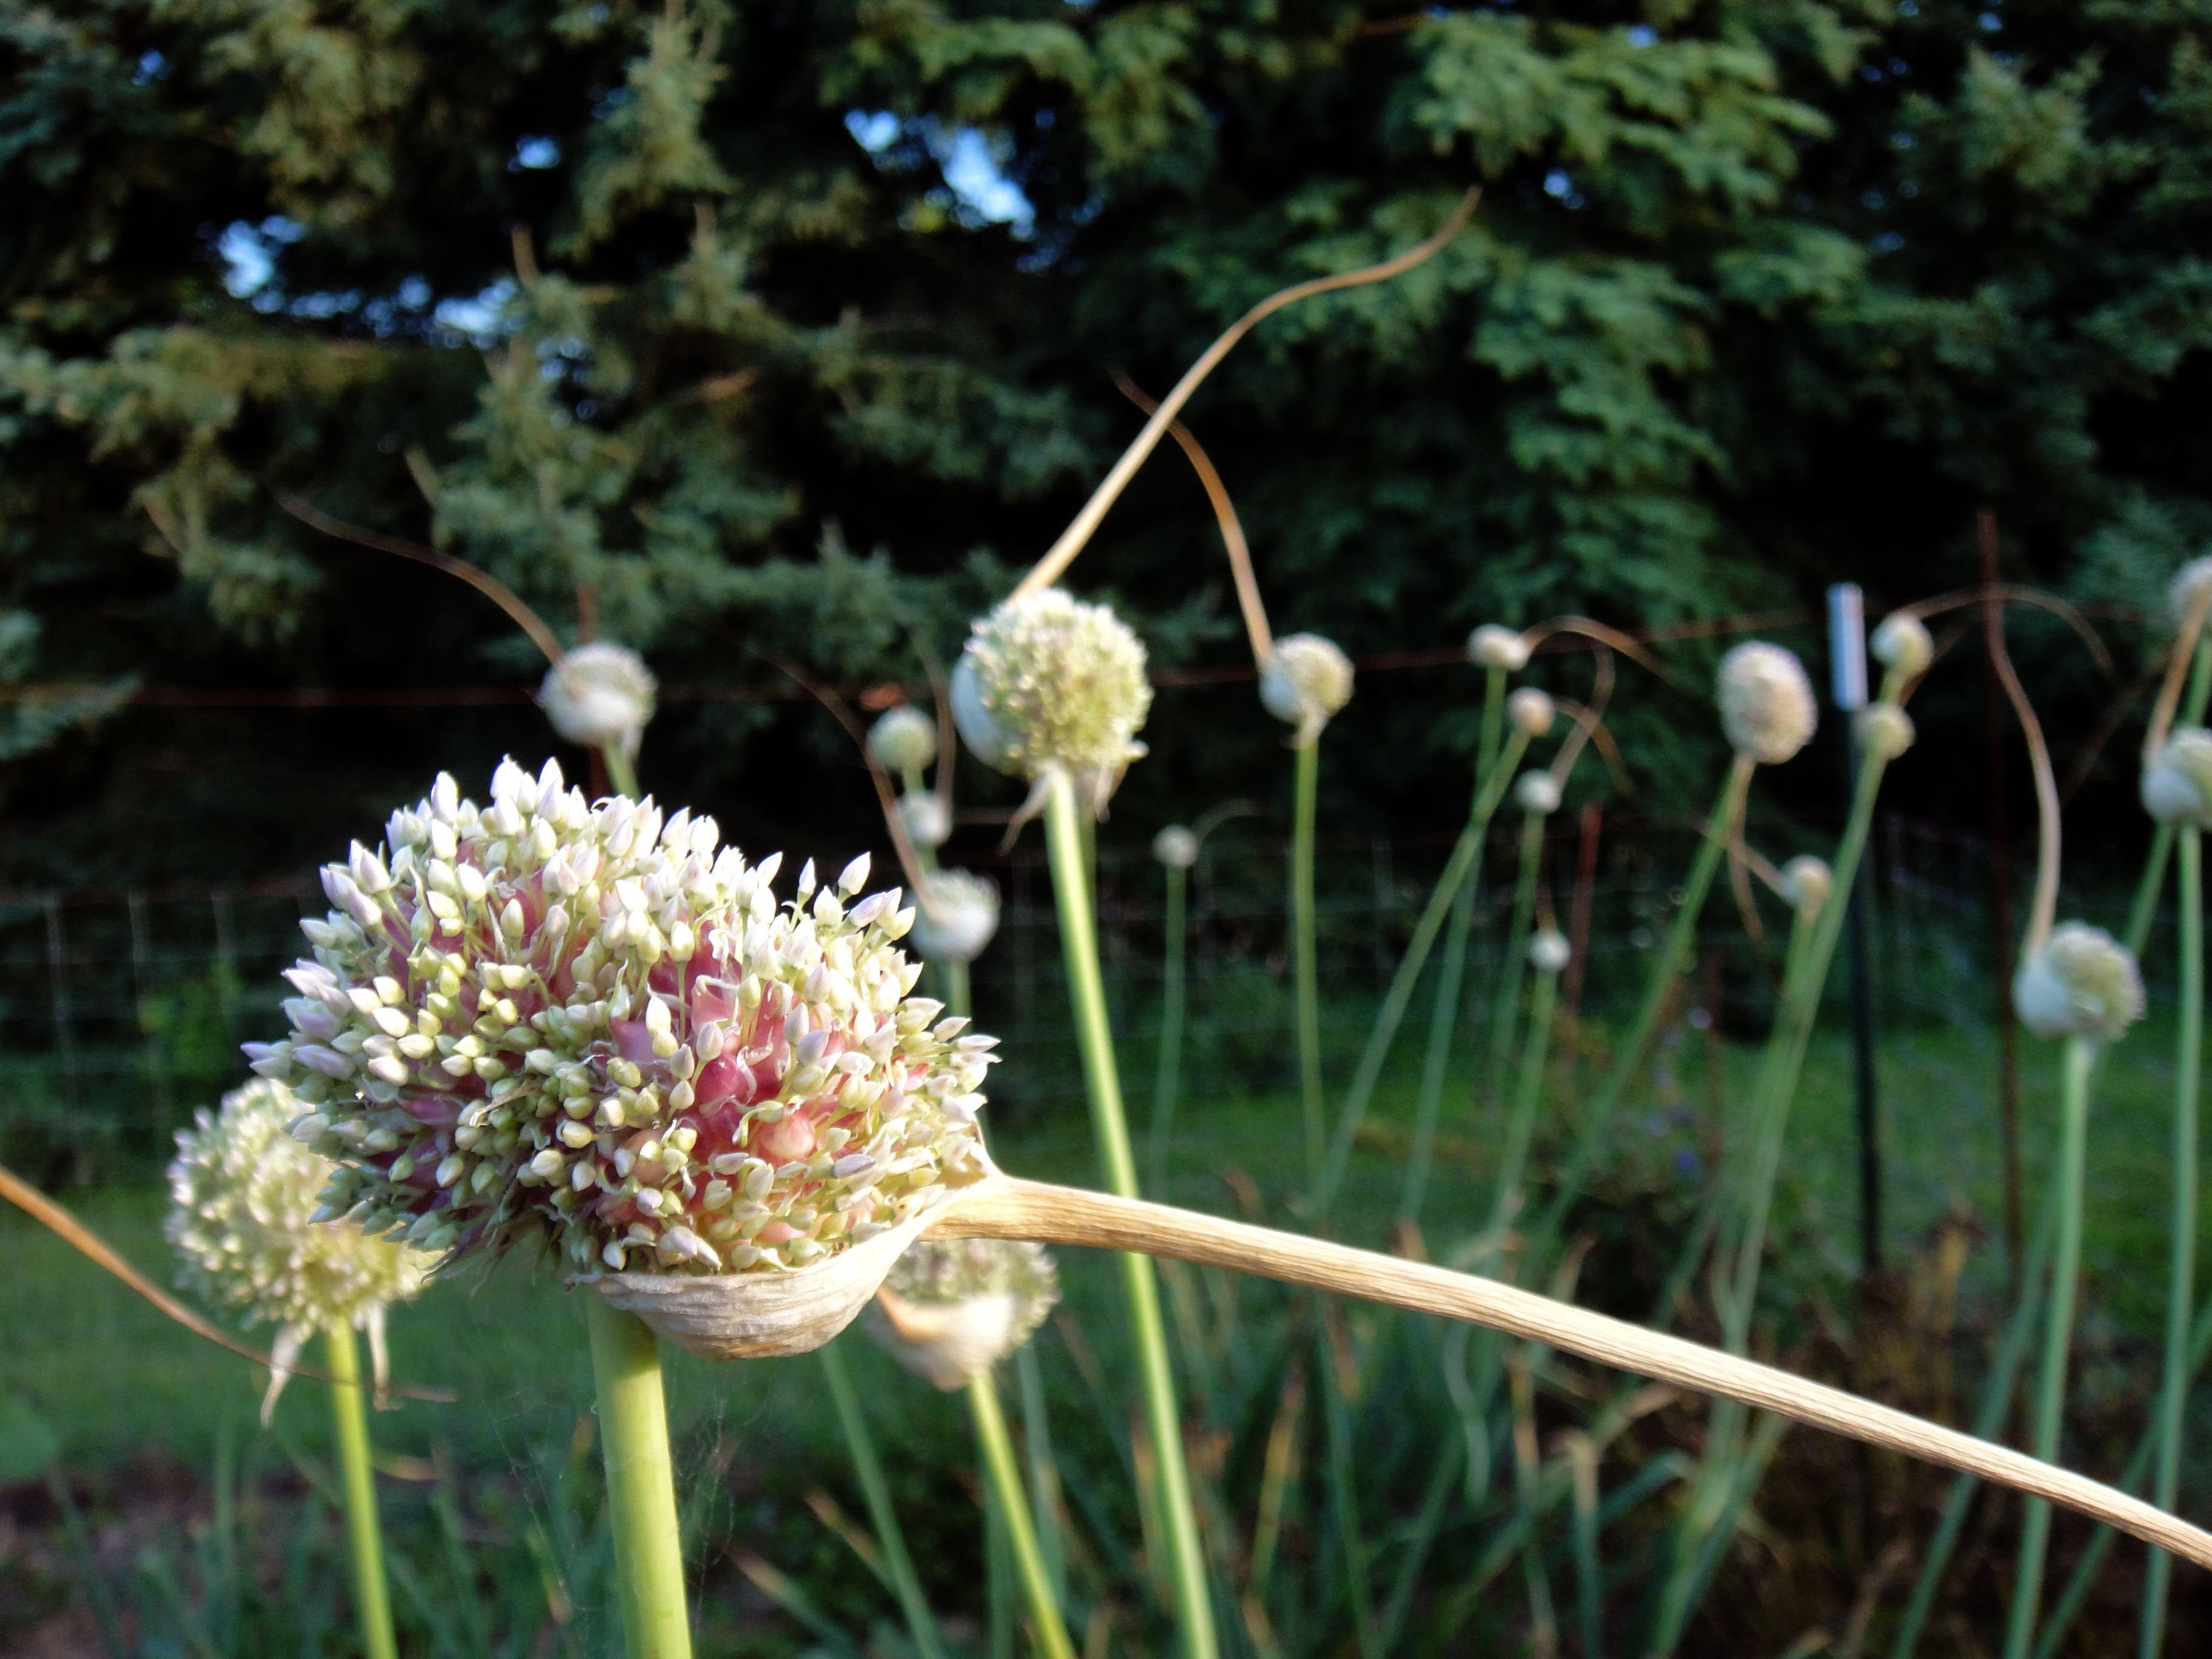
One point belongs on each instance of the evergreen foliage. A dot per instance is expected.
(653, 312)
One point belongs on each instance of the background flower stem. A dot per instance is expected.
(998, 1445)
(876, 1492)
(1147, 1332)
(1307, 772)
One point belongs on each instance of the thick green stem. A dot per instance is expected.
(1167, 1078)
(621, 774)
(1148, 1335)
(1444, 1015)
(1514, 968)
(1520, 1127)
(2181, 1274)
(2142, 913)
(1305, 951)
(1014, 1512)
(1458, 870)
(1665, 970)
(958, 998)
(876, 1491)
(357, 1481)
(640, 1484)
(2057, 1337)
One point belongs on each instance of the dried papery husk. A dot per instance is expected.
(765, 1315)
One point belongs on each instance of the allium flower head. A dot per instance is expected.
(1304, 682)
(1530, 711)
(1806, 882)
(2083, 982)
(1046, 681)
(594, 1025)
(955, 918)
(1537, 792)
(244, 1221)
(1548, 950)
(1175, 847)
(1901, 641)
(599, 695)
(2176, 785)
(922, 814)
(904, 740)
(952, 1308)
(2188, 586)
(1766, 703)
(1492, 647)
(1885, 731)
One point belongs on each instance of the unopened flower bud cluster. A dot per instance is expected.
(956, 916)
(952, 1308)
(2176, 785)
(1305, 681)
(244, 1199)
(1047, 681)
(599, 695)
(2083, 982)
(594, 1025)
(1766, 703)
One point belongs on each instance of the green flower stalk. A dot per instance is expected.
(1054, 691)
(1175, 847)
(950, 1312)
(2082, 985)
(243, 1201)
(593, 1029)
(1304, 680)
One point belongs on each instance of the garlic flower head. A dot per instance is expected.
(954, 918)
(600, 696)
(952, 1308)
(1304, 682)
(2083, 982)
(2176, 785)
(595, 1027)
(1805, 883)
(1177, 847)
(904, 740)
(1492, 645)
(1766, 703)
(922, 814)
(1046, 681)
(1537, 792)
(1530, 711)
(2188, 586)
(1548, 950)
(1901, 641)
(250, 1238)
(1885, 731)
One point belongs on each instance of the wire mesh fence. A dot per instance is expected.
(120, 1012)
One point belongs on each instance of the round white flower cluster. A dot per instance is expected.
(599, 695)
(952, 1308)
(1304, 682)
(2083, 982)
(1766, 703)
(597, 1026)
(1047, 681)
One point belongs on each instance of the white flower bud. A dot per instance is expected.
(1492, 647)
(599, 695)
(2189, 585)
(1806, 883)
(2176, 785)
(1304, 682)
(922, 814)
(1537, 792)
(1548, 950)
(1530, 711)
(1766, 703)
(1175, 847)
(1048, 681)
(1885, 731)
(955, 913)
(1901, 641)
(952, 1308)
(904, 740)
(2083, 982)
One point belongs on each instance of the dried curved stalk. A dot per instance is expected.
(1224, 516)
(1072, 540)
(1006, 1207)
(483, 581)
(81, 1238)
(2010, 593)
(2176, 670)
(1590, 628)
(2045, 911)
